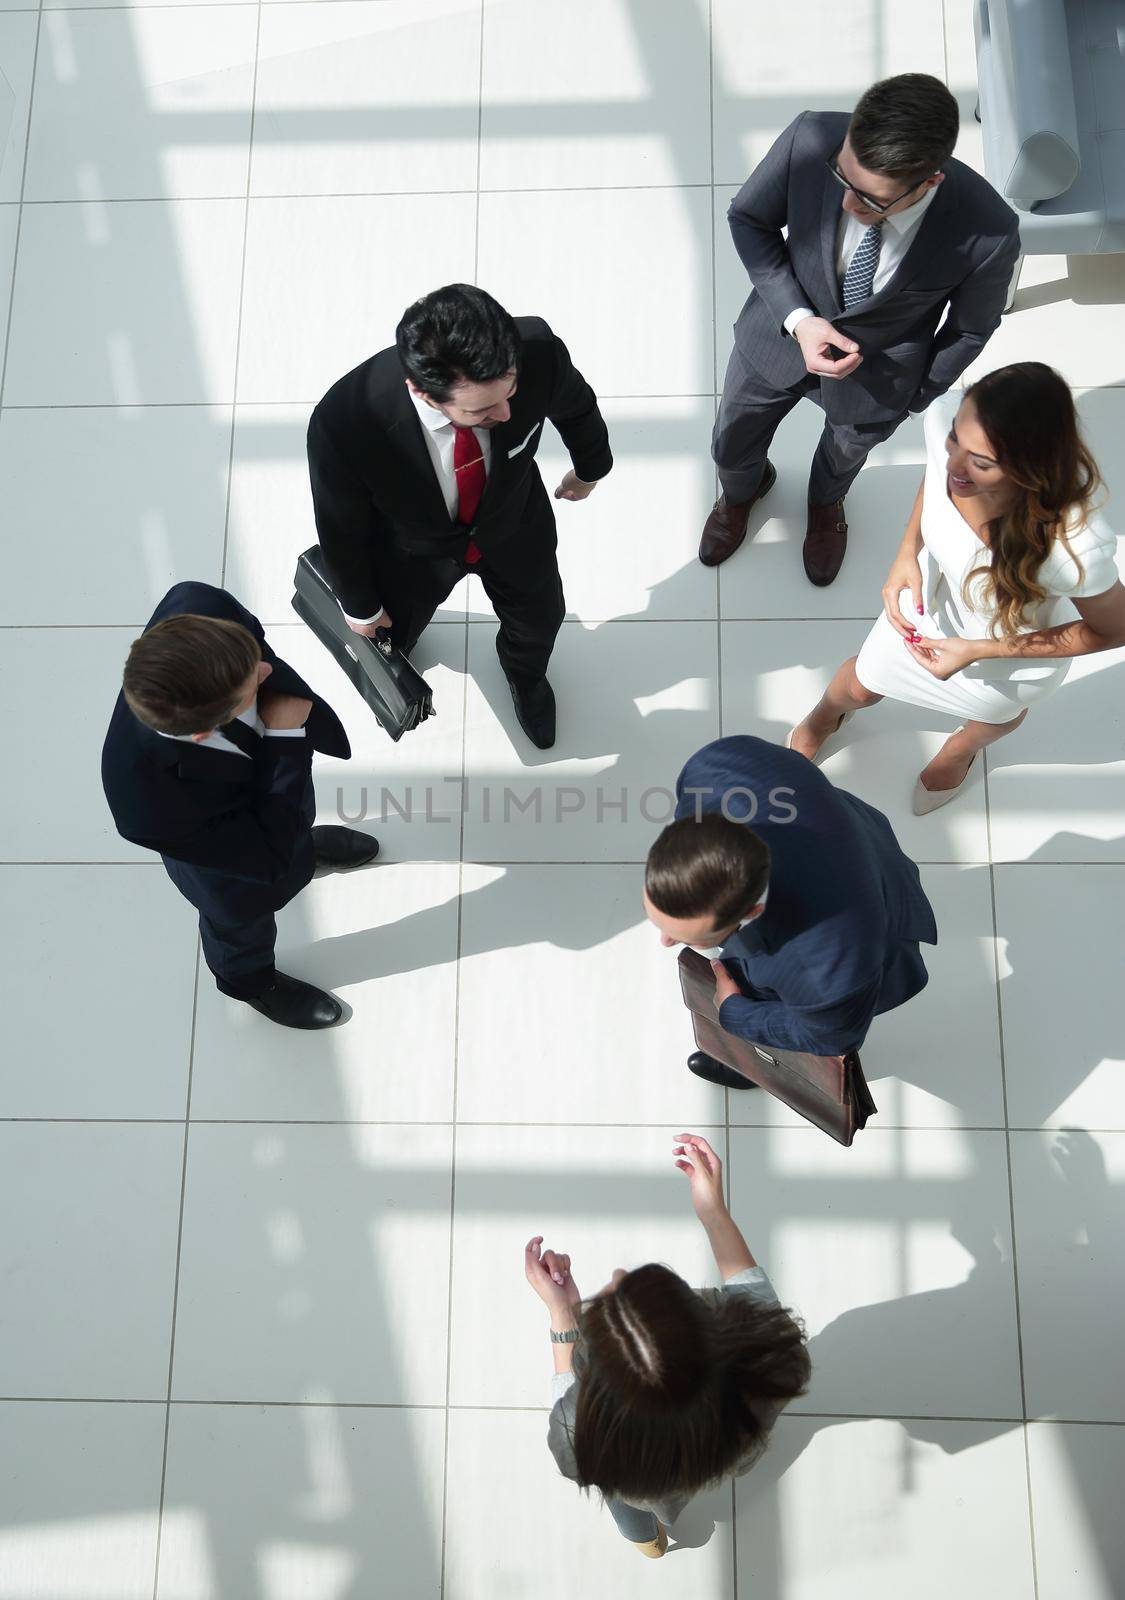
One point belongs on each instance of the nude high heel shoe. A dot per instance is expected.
(926, 800)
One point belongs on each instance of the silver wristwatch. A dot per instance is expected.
(568, 1336)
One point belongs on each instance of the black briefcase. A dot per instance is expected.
(399, 696)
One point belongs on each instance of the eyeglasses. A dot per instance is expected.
(880, 207)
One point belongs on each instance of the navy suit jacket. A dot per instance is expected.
(213, 809)
(838, 940)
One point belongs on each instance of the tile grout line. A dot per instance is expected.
(557, 861)
(460, 909)
(241, 297)
(716, 394)
(176, 1279)
(453, 1106)
(587, 623)
(718, 600)
(195, 995)
(560, 861)
(306, 400)
(533, 1410)
(19, 209)
(186, 1402)
(719, 1125)
(1011, 1183)
(322, 194)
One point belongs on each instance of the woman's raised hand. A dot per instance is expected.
(548, 1272)
(695, 1156)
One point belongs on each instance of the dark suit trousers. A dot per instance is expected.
(523, 586)
(238, 937)
(749, 414)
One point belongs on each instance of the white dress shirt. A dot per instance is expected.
(218, 741)
(441, 441)
(898, 235)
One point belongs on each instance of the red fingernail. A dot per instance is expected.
(919, 610)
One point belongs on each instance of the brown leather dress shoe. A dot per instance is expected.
(826, 539)
(725, 528)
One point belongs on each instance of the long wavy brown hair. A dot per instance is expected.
(1028, 416)
(673, 1384)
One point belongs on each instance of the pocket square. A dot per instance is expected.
(517, 448)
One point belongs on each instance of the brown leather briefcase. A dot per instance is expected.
(830, 1091)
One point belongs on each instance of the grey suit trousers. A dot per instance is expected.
(749, 414)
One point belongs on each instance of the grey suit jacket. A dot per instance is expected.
(961, 258)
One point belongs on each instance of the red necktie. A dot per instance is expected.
(468, 470)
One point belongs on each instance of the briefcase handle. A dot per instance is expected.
(382, 643)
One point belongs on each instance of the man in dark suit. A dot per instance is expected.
(423, 468)
(886, 236)
(208, 760)
(796, 891)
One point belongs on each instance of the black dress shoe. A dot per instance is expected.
(705, 1066)
(535, 711)
(343, 847)
(297, 1005)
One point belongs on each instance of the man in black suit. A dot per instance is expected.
(208, 760)
(886, 236)
(422, 463)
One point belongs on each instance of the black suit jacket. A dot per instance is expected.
(211, 808)
(961, 258)
(373, 481)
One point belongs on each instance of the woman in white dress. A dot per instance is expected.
(1001, 542)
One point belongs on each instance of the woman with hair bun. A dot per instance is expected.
(661, 1390)
(1003, 534)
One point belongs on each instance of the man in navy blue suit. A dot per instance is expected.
(208, 760)
(799, 895)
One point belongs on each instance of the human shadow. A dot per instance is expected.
(1060, 997)
(1067, 1336)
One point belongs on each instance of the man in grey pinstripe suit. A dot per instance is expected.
(887, 236)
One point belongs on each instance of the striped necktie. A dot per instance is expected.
(859, 279)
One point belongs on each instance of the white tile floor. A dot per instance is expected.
(263, 1328)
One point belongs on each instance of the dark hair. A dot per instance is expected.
(672, 1384)
(186, 674)
(1028, 415)
(458, 334)
(905, 127)
(707, 866)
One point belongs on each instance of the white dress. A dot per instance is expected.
(995, 690)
